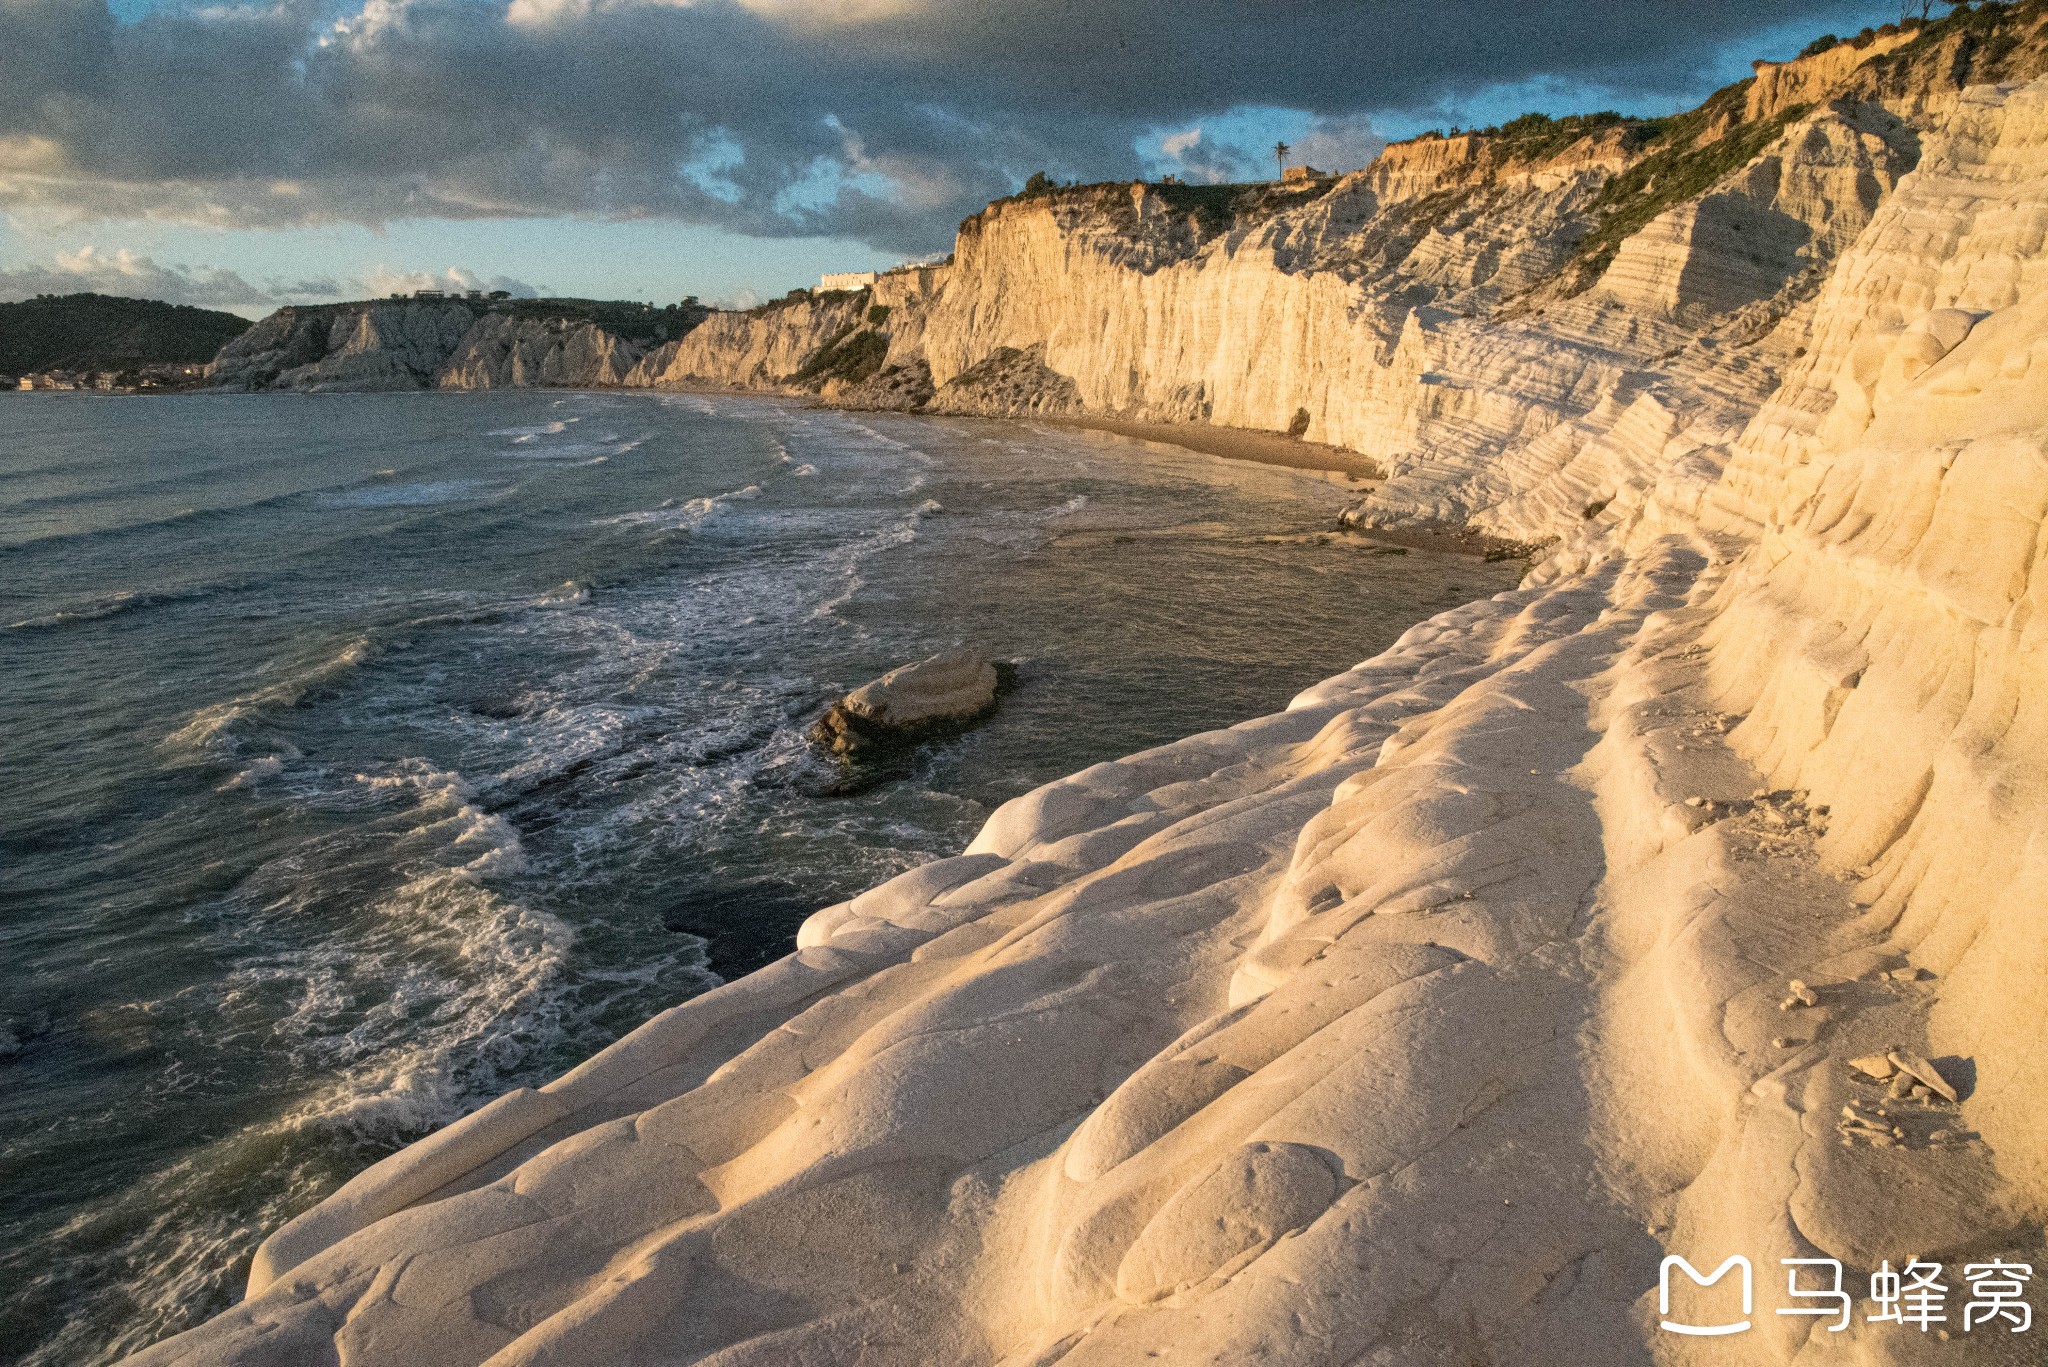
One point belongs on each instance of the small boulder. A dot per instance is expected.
(909, 703)
(1921, 1070)
(1800, 996)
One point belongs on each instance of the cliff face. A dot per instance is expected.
(1518, 327)
(870, 334)
(373, 346)
(1418, 1023)
(1882, 641)
(1396, 313)
(505, 353)
(756, 349)
(449, 344)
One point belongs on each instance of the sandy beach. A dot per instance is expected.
(1238, 443)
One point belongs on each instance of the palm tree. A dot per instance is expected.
(1280, 151)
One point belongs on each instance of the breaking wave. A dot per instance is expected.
(686, 516)
(218, 731)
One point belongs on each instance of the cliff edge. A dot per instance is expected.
(1417, 1023)
(447, 343)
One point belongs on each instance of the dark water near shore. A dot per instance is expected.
(364, 756)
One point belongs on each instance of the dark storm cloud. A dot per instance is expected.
(884, 120)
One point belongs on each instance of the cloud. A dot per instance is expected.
(1337, 144)
(1199, 156)
(381, 280)
(1239, 144)
(881, 120)
(90, 271)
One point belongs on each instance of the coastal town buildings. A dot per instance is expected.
(846, 280)
(154, 377)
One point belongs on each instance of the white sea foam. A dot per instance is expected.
(413, 1005)
(91, 610)
(214, 730)
(568, 592)
(689, 516)
(851, 580)
(259, 771)
(547, 429)
(421, 494)
(111, 604)
(576, 451)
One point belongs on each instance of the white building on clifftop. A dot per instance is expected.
(846, 280)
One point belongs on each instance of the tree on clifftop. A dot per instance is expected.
(1280, 151)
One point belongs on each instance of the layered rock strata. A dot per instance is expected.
(446, 344)
(908, 703)
(1419, 1022)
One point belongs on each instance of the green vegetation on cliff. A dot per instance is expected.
(642, 323)
(105, 332)
(1681, 169)
(849, 358)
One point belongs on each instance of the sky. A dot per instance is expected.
(245, 155)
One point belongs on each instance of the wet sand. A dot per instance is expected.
(1234, 443)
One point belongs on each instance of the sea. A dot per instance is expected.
(364, 756)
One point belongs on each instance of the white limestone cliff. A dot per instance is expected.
(769, 347)
(500, 352)
(753, 349)
(374, 346)
(423, 344)
(1416, 1023)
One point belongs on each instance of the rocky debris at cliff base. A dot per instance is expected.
(903, 388)
(1220, 934)
(1440, 537)
(1009, 383)
(910, 704)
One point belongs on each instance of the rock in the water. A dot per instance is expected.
(908, 703)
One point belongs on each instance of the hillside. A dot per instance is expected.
(105, 332)
(450, 343)
(1683, 902)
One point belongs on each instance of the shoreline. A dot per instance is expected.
(1210, 439)
(1252, 444)
(1231, 443)
(1255, 445)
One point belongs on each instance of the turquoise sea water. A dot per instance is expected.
(364, 756)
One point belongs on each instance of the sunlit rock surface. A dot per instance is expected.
(1416, 1023)
(908, 702)
(421, 344)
